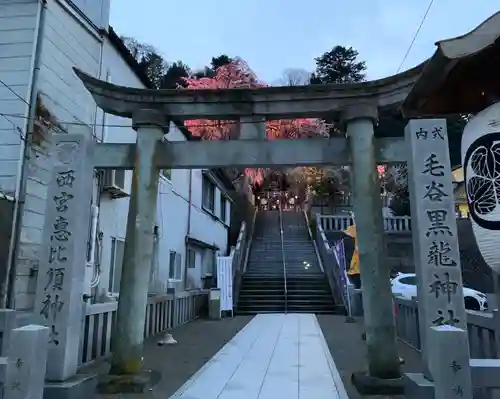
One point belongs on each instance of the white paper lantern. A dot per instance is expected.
(481, 165)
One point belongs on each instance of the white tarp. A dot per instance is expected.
(225, 282)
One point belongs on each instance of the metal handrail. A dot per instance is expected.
(283, 257)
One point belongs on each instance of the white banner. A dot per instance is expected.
(225, 282)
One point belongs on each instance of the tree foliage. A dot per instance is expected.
(395, 181)
(237, 74)
(211, 70)
(174, 75)
(339, 65)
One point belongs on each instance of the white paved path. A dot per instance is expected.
(274, 356)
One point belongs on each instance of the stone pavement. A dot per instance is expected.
(275, 355)
(349, 351)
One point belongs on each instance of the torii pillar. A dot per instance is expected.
(128, 335)
(383, 359)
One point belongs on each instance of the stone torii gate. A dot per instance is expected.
(356, 105)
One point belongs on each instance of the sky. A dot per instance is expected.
(273, 35)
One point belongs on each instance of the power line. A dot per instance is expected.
(16, 128)
(13, 92)
(415, 36)
(219, 123)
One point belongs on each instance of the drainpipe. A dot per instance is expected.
(6, 299)
(190, 193)
(188, 227)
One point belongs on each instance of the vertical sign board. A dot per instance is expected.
(59, 292)
(225, 282)
(435, 241)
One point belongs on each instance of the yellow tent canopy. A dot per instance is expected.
(354, 266)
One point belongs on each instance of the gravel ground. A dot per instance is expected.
(198, 342)
(349, 351)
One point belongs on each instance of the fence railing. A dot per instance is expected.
(483, 329)
(336, 273)
(393, 224)
(343, 200)
(240, 255)
(484, 342)
(162, 313)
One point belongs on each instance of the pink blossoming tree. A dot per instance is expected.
(238, 74)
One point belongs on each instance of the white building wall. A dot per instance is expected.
(70, 41)
(18, 35)
(217, 233)
(67, 41)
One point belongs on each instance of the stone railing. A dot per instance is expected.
(162, 313)
(240, 256)
(483, 332)
(484, 344)
(341, 288)
(393, 224)
(483, 329)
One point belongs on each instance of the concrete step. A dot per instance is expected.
(311, 295)
(261, 301)
(270, 253)
(308, 278)
(274, 294)
(269, 277)
(289, 259)
(241, 312)
(263, 307)
(247, 287)
(262, 286)
(302, 281)
(277, 241)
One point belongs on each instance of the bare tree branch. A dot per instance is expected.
(294, 77)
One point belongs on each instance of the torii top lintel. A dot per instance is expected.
(461, 77)
(269, 102)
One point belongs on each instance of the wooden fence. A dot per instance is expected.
(162, 313)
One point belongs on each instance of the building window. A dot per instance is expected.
(166, 173)
(174, 272)
(191, 258)
(223, 205)
(208, 189)
(211, 262)
(115, 264)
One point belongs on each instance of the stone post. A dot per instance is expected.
(128, 335)
(383, 360)
(434, 231)
(8, 322)
(59, 293)
(452, 372)
(27, 361)
(252, 128)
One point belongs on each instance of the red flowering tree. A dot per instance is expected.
(237, 74)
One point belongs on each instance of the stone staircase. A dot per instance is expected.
(263, 285)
